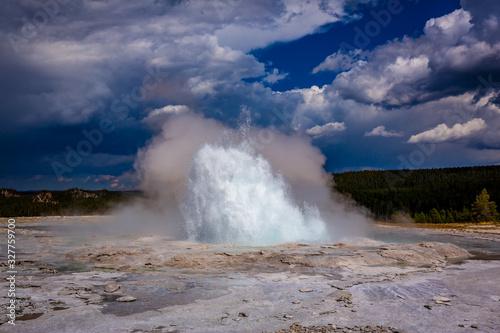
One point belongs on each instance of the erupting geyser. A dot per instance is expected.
(211, 183)
(233, 197)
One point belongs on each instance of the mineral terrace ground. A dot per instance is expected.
(73, 276)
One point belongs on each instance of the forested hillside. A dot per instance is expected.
(71, 202)
(427, 195)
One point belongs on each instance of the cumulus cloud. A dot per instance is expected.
(275, 76)
(90, 60)
(380, 131)
(447, 59)
(169, 109)
(279, 21)
(391, 82)
(157, 117)
(443, 133)
(449, 28)
(326, 129)
(340, 61)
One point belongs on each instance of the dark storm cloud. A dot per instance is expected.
(66, 65)
(122, 61)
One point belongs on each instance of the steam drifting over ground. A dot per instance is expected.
(211, 183)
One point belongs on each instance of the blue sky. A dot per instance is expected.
(87, 85)
(300, 57)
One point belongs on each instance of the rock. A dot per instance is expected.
(348, 305)
(424, 253)
(236, 319)
(305, 290)
(287, 316)
(341, 296)
(243, 314)
(441, 299)
(428, 307)
(227, 254)
(326, 312)
(474, 326)
(296, 302)
(461, 325)
(402, 297)
(126, 299)
(93, 299)
(112, 288)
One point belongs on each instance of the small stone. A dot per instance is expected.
(296, 302)
(354, 310)
(348, 305)
(402, 297)
(441, 299)
(314, 313)
(428, 307)
(112, 288)
(287, 316)
(461, 325)
(236, 319)
(126, 299)
(326, 312)
(474, 326)
(305, 290)
(243, 314)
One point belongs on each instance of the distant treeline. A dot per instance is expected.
(71, 202)
(426, 195)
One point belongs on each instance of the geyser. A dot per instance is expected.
(207, 182)
(233, 197)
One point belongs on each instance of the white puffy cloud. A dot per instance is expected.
(443, 133)
(275, 76)
(340, 61)
(449, 28)
(169, 109)
(285, 21)
(447, 59)
(157, 117)
(326, 129)
(389, 82)
(380, 131)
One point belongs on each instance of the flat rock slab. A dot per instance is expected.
(126, 299)
(112, 288)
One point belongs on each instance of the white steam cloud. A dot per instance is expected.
(178, 166)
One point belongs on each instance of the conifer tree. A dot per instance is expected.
(484, 210)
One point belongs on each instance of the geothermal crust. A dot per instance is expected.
(70, 282)
(278, 258)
